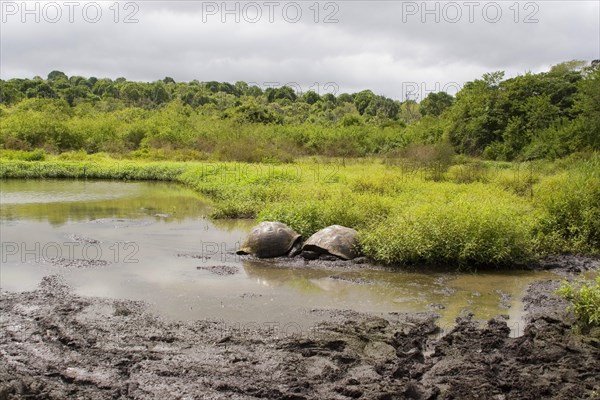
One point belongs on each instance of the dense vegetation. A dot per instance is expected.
(470, 213)
(533, 116)
(424, 182)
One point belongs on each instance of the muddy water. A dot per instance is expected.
(153, 242)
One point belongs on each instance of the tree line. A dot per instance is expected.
(534, 115)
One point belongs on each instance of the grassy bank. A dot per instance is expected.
(465, 213)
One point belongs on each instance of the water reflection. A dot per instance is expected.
(59, 201)
(485, 294)
(166, 225)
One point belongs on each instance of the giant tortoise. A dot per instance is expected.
(336, 240)
(270, 239)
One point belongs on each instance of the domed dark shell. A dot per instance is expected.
(335, 239)
(269, 239)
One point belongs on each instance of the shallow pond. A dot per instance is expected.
(152, 241)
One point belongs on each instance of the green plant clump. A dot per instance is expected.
(585, 296)
(571, 200)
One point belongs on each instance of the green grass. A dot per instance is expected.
(585, 298)
(470, 226)
(571, 201)
(499, 214)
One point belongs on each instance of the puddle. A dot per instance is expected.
(152, 241)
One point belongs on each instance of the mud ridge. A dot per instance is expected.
(221, 270)
(58, 345)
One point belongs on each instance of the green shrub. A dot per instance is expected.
(468, 173)
(519, 178)
(462, 231)
(497, 151)
(554, 142)
(427, 155)
(352, 120)
(33, 155)
(79, 155)
(571, 204)
(585, 299)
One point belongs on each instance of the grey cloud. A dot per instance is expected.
(370, 47)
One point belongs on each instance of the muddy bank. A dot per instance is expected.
(562, 264)
(568, 264)
(57, 345)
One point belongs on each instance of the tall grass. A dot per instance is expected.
(483, 226)
(404, 215)
(571, 204)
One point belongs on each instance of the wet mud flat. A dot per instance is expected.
(56, 345)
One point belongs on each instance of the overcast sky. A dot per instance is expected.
(391, 47)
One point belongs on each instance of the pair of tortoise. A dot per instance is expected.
(274, 239)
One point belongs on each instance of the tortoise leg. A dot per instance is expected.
(309, 255)
(296, 249)
(329, 257)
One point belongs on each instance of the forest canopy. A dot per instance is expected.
(536, 115)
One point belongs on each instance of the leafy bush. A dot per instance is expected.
(497, 151)
(79, 155)
(469, 172)
(571, 204)
(34, 155)
(585, 298)
(467, 229)
(429, 154)
(555, 141)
